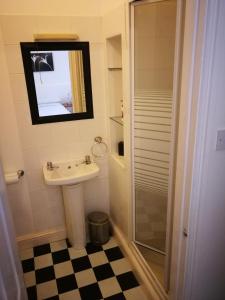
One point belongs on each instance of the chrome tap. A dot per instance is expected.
(87, 160)
(50, 166)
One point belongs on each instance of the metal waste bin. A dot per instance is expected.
(98, 223)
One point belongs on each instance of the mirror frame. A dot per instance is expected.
(26, 48)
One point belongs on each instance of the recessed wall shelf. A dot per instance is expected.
(118, 159)
(115, 94)
(118, 120)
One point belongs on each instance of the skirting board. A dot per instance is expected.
(36, 239)
(149, 282)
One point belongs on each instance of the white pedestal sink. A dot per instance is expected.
(70, 176)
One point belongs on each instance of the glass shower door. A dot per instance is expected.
(154, 45)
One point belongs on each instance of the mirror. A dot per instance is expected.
(58, 80)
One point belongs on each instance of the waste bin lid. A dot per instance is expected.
(97, 217)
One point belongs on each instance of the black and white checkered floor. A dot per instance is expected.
(57, 271)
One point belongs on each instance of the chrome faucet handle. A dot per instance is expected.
(49, 165)
(87, 159)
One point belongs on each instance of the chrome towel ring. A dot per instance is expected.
(100, 148)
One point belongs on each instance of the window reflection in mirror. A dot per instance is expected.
(58, 80)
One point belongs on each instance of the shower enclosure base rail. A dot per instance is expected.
(150, 247)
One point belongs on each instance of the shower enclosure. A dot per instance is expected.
(154, 109)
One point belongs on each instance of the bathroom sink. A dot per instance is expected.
(70, 173)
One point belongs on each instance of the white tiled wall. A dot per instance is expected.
(56, 141)
(52, 7)
(109, 5)
(11, 151)
(119, 177)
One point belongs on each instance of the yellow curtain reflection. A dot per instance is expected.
(77, 81)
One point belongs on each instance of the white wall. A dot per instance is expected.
(119, 177)
(55, 8)
(206, 262)
(110, 5)
(51, 8)
(8, 118)
(39, 208)
(11, 153)
(36, 207)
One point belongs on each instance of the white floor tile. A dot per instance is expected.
(76, 253)
(85, 277)
(57, 246)
(29, 278)
(72, 295)
(43, 261)
(47, 289)
(26, 254)
(120, 266)
(135, 293)
(63, 269)
(111, 243)
(98, 258)
(109, 287)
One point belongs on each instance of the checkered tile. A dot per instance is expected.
(57, 271)
(151, 209)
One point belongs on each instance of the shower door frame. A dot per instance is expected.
(175, 110)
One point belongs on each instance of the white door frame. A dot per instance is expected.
(199, 36)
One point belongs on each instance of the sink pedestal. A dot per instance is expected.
(71, 175)
(75, 215)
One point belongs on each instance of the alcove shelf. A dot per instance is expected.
(115, 95)
(118, 159)
(117, 119)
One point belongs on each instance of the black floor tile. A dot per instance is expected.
(91, 248)
(41, 250)
(45, 274)
(52, 298)
(66, 284)
(127, 281)
(81, 263)
(90, 292)
(60, 256)
(28, 265)
(103, 272)
(114, 253)
(119, 296)
(32, 293)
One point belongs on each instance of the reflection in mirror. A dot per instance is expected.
(58, 80)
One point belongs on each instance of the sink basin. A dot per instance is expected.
(70, 173)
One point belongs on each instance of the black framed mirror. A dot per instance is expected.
(58, 79)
